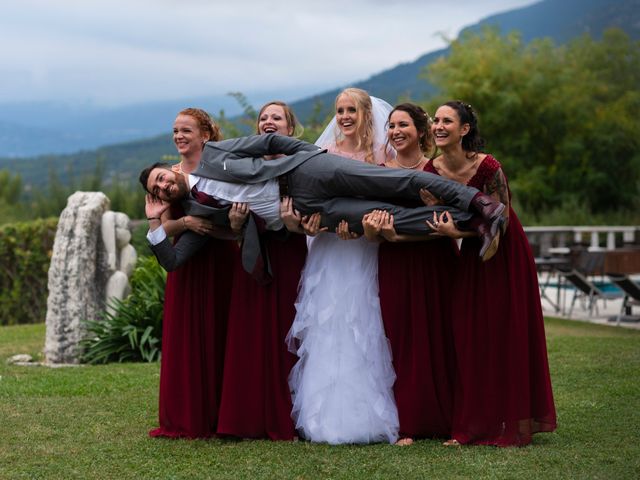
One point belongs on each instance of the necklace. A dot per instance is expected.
(181, 170)
(411, 167)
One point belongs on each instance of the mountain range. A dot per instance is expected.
(560, 20)
(25, 130)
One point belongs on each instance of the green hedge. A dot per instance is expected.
(25, 254)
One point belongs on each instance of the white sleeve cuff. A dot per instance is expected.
(156, 236)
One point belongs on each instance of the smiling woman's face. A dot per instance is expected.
(347, 115)
(446, 127)
(274, 120)
(402, 132)
(187, 136)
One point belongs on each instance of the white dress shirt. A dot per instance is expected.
(263, 199)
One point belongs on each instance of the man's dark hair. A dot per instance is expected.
(144, 174)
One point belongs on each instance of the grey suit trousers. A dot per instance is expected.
(341, 188)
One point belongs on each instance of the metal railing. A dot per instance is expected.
(559, 240)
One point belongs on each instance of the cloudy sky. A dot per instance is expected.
(116, 52)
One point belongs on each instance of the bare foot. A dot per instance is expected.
(404, 442)
(451, 443)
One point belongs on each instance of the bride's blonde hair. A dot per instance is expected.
(364, 120)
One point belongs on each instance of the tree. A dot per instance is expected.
(561, 119)
(10, 197)
(10, 187)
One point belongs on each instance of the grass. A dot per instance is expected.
(92, 422)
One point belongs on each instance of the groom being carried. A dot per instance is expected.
(339, 188)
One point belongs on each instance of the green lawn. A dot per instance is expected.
(92, 422)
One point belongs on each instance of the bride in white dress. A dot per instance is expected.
(342, 384)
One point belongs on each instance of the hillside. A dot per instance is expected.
(560, 20)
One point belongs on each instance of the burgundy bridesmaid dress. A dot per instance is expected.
(415, 281)
(503, 388)
(196, 308)
(256, 402)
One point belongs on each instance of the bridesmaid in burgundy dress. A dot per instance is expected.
(503, 389)
(415, 280)
(196, 307)
(256, 402)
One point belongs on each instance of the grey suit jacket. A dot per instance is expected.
(239, 160)
(172, 256)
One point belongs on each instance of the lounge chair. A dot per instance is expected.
(631, 291)
(586, 291)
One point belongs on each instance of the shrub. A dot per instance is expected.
(25, 254)
(133, 332)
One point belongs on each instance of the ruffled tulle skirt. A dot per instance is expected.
(342, 383)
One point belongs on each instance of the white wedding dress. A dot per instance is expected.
(342, 384)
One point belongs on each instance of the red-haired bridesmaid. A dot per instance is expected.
(196, 307)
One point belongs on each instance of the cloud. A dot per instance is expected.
(117, 51)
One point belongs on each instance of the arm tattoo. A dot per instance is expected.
(497, 187)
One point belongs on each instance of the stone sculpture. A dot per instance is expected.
(91, 262)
